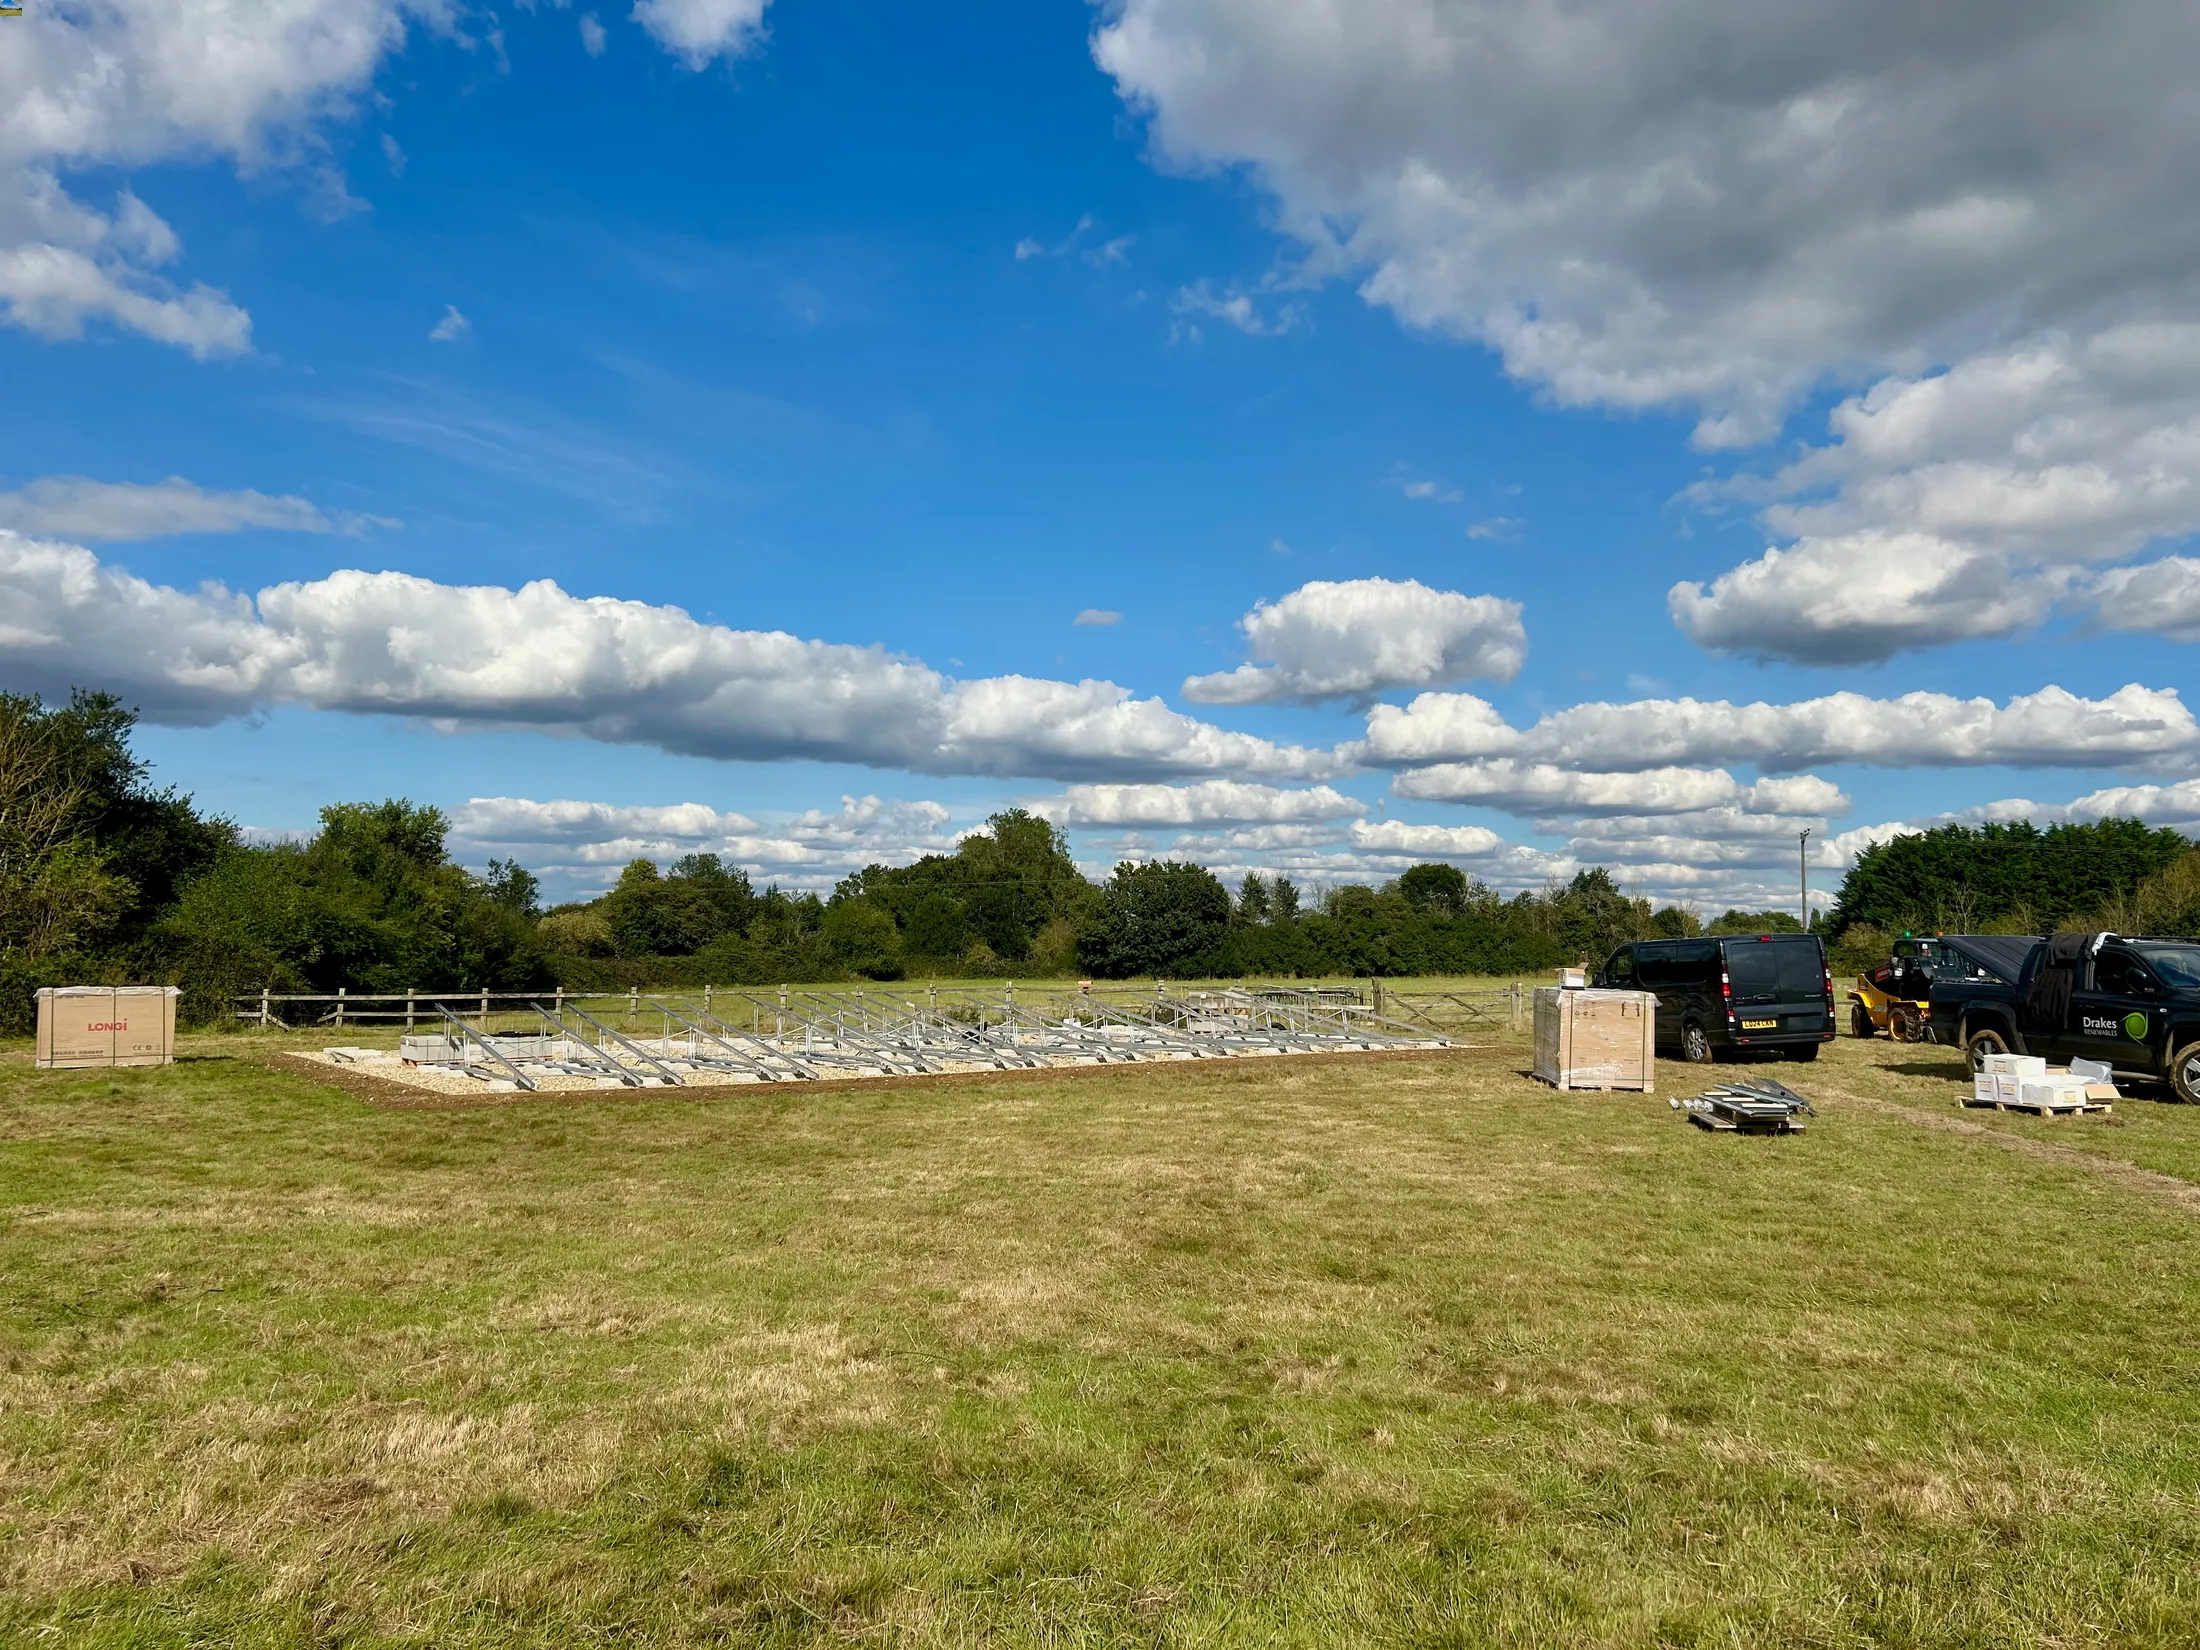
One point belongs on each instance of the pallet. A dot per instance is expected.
(2079, 1108)
(1719, 1125)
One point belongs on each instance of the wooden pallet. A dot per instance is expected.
(2072, 1109)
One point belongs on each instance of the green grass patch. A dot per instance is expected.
(1268, 1353)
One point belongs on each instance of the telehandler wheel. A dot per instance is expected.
(1905, 1024)
(1983, 1042)
(1860, 1022)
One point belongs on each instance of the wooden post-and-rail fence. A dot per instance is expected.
(1447, 1011)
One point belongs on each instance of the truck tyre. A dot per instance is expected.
(1983, 1042)
(1695, 1044)
(2184, 1073)
(1860, 1022)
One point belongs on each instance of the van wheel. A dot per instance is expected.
(1982, 1043)
(1695, 1045)
(1860, 1022)
(2184, 1073)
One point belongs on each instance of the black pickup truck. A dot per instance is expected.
(2134, 1005)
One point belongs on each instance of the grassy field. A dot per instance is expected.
(1393, 1352)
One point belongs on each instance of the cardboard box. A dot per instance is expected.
(98, 1025)
(1596, 1039)
(2063, 1090)
(2016, 1065)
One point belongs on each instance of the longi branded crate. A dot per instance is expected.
(1596, 1039)
(106, 1025)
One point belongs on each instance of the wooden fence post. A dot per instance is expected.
(340, 1008)
(633, 1004)
(411, 1002)
(485, 1008)
(263, 1008)
(561, 1002)
(706, 999)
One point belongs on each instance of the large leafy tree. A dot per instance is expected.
(1958, 877)
(1161, 918)
(90, 851)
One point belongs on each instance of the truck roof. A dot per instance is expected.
(2003, 954)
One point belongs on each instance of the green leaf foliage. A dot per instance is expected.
(2017, 877)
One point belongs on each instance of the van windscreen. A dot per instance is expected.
(1782, 970)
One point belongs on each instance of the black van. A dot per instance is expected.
(1740, 991)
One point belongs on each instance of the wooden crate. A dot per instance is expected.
(1596, 1039)
(98, 1025)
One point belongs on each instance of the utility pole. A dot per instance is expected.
(1802, 866)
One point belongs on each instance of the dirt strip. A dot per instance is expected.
(383, 1093)
(2127, 1175)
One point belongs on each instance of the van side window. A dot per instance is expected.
(1653, 965)
(1620, 971)
(1695, 962)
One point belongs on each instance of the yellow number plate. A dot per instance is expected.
(1760, 1025)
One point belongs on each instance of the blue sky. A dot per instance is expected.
(931, 331)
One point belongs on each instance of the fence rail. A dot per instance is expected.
(1436, 1011)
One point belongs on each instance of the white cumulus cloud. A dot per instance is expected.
(597, 667)
(1395, 836)
(2161, 596)
(108, 84)
(1209, 802)
(575, 842)
(1966, 503)
(2050, 728)
(1545, 789)
(1687, 203)
(1360, 637)
(695, 31)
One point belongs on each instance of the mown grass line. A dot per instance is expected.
(1280, 1353)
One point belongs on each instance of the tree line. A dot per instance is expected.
(105, 877)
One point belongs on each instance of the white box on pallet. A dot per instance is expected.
(2059, 1090)
(2016, 1065)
